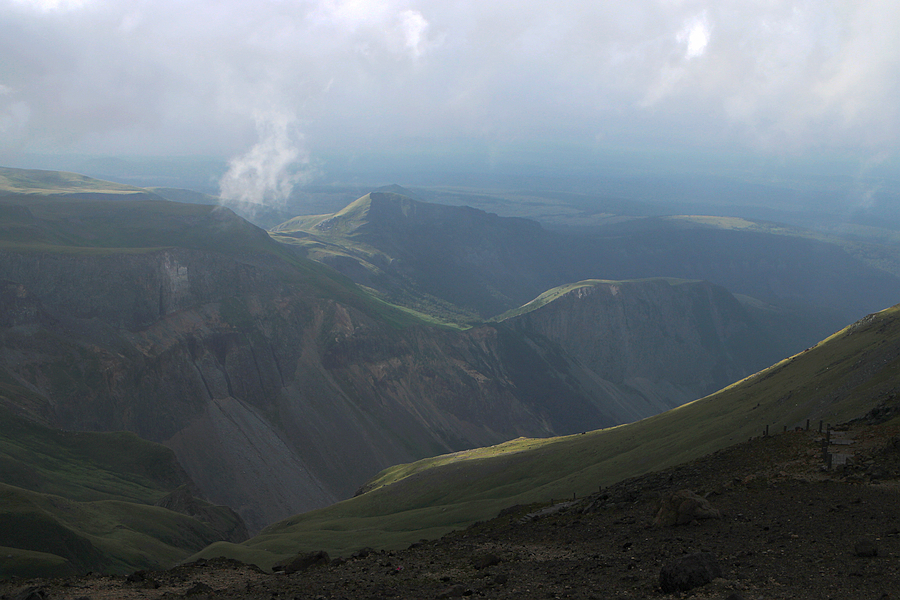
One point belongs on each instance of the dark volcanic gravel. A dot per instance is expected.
(788, 529)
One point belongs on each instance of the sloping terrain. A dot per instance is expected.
(657, 342)
(464, 263)
(845, 377)
(63, 185)
(261, 370)
(279, 385)
(76, 502)
(781, 527)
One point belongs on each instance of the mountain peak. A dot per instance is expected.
(396, 189)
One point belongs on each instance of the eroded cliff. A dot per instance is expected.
(275, 396)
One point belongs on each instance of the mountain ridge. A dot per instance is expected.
(670, 339)
(469, 265)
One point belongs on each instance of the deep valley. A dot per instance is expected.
(395, 371)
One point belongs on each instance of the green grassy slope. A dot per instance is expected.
(348, 242)
(337, 225)
(73, 501)
(839, 379)
(85, 466)
(106, 535)
(45, 223)
(35, 181)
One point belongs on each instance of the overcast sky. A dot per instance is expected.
(281, 81)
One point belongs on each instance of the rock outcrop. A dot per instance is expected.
(683, 507)
(279, 388)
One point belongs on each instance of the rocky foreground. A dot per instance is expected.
(761, 520)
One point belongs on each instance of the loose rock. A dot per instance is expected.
(487, 559)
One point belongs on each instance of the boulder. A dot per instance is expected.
(484, 560)
(304, 561)
(683, 507)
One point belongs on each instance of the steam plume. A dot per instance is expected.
(267, 173)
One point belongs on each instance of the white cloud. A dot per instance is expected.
(695, 36)
(54, 5)
(14, 114)
(415, 26)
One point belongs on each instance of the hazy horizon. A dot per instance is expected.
(251, 100)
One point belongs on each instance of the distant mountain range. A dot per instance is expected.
(466, 263)
(281, 384)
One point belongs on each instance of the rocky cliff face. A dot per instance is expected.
(276, 397)
(667, 341)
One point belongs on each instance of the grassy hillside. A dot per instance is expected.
(62, 536)
(62, 184)
(72, 502)
(46, 223)
(85, 466)
(840, 379)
